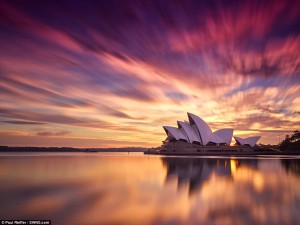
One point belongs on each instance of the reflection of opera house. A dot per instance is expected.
(196, 136)
(196, 171)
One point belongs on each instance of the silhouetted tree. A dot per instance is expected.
(291, 143)
(295, 136)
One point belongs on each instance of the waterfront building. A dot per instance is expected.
(197, 131)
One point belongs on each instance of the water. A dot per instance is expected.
(121, 188)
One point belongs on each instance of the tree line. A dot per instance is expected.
(291, 142)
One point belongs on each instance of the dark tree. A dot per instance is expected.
(291, 143)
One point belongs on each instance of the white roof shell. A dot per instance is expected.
(203, 129)
(188, 131)
(174, 132)
(239, 140)
(252, 140)
(197, 130)
(225, 134)
(183, 135)
(247, 141)
(216, 139)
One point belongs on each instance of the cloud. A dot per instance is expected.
(177, 96)
(41, 118)
(53, 133)
(22, 122)
(134, 66)
(9, 139)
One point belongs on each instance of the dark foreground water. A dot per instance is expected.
(121, 188)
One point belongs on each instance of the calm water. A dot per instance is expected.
(101, 188)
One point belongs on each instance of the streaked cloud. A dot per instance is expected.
(22, 122)
(122, 69)
(53, 133)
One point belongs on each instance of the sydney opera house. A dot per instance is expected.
(196, 135)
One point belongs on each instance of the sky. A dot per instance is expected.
(112, 73)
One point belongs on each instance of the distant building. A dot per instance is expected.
(197, 131)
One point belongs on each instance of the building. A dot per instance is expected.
(197, 132)
(251, 141)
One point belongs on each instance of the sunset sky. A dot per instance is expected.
(112, 73)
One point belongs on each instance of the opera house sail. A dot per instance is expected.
(195, 136)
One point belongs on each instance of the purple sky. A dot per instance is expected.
(111, 73)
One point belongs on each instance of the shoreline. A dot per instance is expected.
(223, 153)
(146, 151)
(69, 149)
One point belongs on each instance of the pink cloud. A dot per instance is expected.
(149, 64)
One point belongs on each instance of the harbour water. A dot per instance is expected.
(122, 188)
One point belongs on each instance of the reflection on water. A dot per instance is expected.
(196, 171)
(292, 166)
(78, 188)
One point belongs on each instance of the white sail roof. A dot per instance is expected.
(216, 139)
(225, 134)
(197, 130)
(247, 141)
(172, 132)
(188, 131)
(239, 140)
(203, 129)
(182, 134)
(252, 140)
